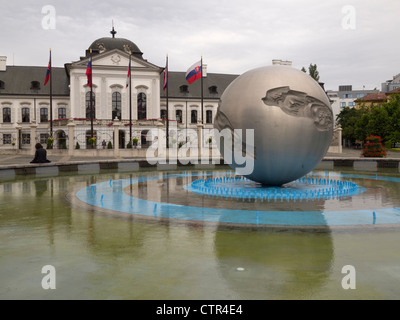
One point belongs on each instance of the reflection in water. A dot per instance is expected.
(276, 265)
(111, 256)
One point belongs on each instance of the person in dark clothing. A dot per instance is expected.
(40, 155)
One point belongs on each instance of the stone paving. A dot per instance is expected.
(26, 159)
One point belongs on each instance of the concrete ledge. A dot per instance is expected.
(10, 172)
(325, 165)
(128, 167)
(7, 174)
(366, 165)
(47, 171)
(93, 168)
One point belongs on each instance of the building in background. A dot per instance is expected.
(346, 97)
(391, 85)
(24, 100)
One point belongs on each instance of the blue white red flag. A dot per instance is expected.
(89, 72)
(194, 72)
(166, 75)
(48, 72)
(128, 78)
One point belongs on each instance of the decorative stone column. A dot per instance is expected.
(71, 136)
(18, 134)
(117, 124)
(33, 136)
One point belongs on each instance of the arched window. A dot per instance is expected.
(142, 106)
(209, 117)
(116, 106)
(194, 116)
(6, 115)
(44, 115)
(26, 115)
(88, 107)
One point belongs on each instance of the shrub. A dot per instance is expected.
(373, 148)
(78, 146)
(109, 146)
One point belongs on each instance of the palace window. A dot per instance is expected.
(26, 138)
(35, 85)
(213, 90)
(6, 115)
(26, 115)
(209, 117)
(44, 137)
(164, 114)
(179, 116)
(193, 116)
(142, 106)
(88, 106)
(184, 89)
(116, 106)
(44, 115)
(6, 138)
(62, 113)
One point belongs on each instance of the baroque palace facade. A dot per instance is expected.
(25, 101)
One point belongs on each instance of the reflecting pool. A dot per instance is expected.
(150, 235)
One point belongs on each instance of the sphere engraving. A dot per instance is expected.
(291, 117)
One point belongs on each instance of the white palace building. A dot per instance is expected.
(25, 101)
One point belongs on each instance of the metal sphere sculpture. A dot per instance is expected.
(292, 120)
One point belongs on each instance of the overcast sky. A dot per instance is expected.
(357, 45)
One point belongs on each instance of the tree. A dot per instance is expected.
(312, 69)
(313, 72)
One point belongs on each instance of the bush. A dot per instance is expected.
(388, 144)
(109, 146)
(78, 146)
(373, 148)
(129, 145)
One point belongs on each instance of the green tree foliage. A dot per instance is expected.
(378, 120)
(313, 72)
(312, 69)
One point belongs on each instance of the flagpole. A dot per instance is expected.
(130, 99)
(51, 99)
(167, 75)
(91, 95)
(202, 95)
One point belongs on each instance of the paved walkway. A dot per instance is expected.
(25, 159)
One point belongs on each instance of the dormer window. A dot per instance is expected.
(213, 90)
(35, 85)
(184, 89)
(2, 85)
